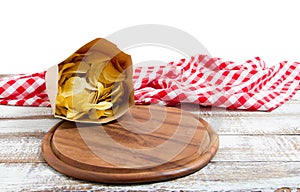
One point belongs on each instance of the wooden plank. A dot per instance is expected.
(232, 148)
(13, 112)
(255, 125)
(21, 148)
(223, 125)
(285, 110)
(259, 148)
(26, 126)
(220, 176)
(225, 122)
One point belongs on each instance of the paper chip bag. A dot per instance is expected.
(93, 85)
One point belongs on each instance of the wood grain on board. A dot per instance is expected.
(133, 149)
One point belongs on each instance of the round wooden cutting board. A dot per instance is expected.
(148, 143)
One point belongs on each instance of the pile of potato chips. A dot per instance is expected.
(94, 83)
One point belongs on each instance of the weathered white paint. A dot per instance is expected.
(217, 176)
(23, 126)
(21, 149)
(12, 112)
(255, 125)
(268, 148)
(259, 151)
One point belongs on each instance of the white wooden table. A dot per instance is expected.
(259, 151)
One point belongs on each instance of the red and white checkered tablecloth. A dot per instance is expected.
(201, 79)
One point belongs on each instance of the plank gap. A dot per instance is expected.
(28, 117)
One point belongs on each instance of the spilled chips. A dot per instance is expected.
(94, 83)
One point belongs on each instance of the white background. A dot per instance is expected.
(35, 34)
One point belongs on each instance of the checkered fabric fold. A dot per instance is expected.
(213, 82)
(24, 90)
(201, 79)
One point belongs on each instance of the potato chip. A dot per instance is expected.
(73, 86)
(61, 111)
(64, 68)
(74, 58)
(108, 113)
(116, 92)
(73, 114)
(103, 105)
(79, 68)
(103, 93)
(81, 101)
(94, 72)
(96, 114)
(111, 74)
